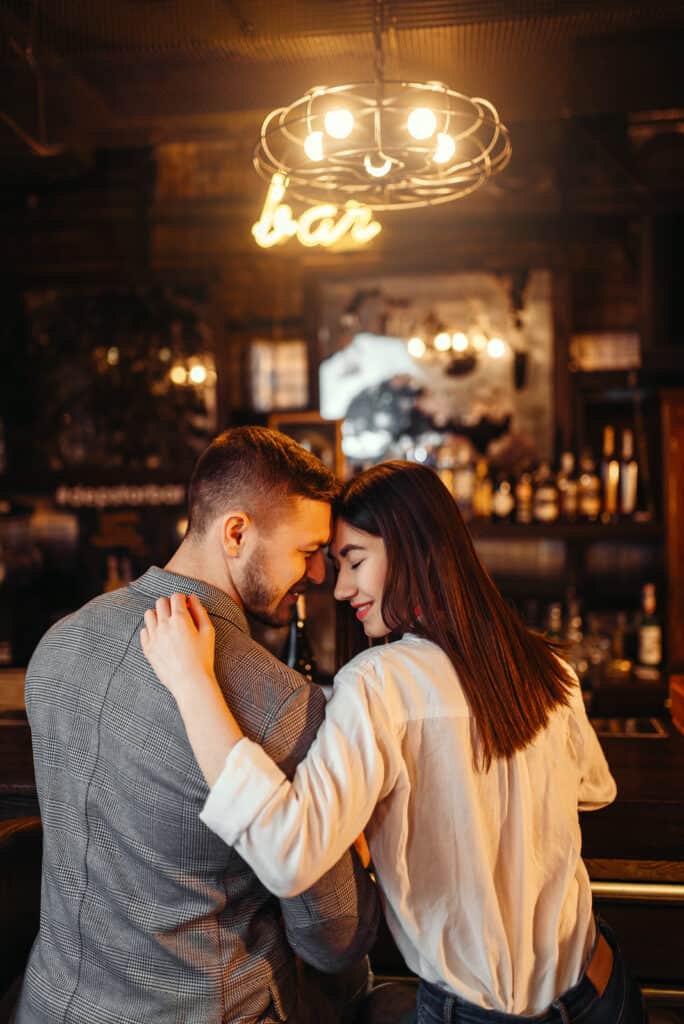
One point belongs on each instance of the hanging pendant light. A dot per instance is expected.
(387, 144)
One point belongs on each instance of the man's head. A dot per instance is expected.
(259, 512)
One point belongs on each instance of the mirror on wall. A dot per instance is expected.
(413, 361)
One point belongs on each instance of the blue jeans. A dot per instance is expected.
(620, 1003)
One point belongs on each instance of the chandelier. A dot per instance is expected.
(385, 144)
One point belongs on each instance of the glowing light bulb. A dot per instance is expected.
(479, 341)
(416, 347)
(496, 347)
(459, 342)
(339, 123)
(376, 171)
(446, 147)
(442, 342)
(113, 356)
(313, 146)
(421, 123)
(178, 374)
(198, 374)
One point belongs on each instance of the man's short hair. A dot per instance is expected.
(258, 470)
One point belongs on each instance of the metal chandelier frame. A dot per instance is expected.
(379, 163)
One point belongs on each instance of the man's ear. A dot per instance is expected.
(234, 531)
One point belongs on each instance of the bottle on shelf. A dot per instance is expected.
(299, 653)
(483, 490)
(523, 497)
(113, 579)
(503, 499)
(610, 476)
(568, 488)
(545, 500)
(629, 476)
(650, 634)
(588, 489)
(464, 482)
(554, 623)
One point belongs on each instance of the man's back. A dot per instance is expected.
(146, 915)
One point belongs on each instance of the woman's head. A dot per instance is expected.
(407, 563)
(399, 517)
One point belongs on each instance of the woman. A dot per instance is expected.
(462, 748)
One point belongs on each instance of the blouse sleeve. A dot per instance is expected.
(291, 833)
(596, 784)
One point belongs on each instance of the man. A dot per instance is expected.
(146, 915)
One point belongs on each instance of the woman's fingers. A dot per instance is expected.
(199, 613)
(163, 608)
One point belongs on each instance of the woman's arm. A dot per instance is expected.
(178, 642)
(290, 833)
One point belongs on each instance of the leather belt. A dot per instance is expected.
(599, 968)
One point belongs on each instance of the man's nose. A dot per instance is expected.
(316, 569)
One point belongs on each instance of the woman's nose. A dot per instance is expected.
(344, 586)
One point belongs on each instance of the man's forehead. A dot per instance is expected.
(314, 519)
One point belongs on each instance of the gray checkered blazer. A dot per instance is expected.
(146, 915)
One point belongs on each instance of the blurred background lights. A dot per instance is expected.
(442, 341)
(496, 347)
(416, 347)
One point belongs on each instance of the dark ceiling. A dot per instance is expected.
(77, 76)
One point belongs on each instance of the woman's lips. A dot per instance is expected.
(362, 610)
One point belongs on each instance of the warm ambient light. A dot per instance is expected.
(421, 123)
(459, 342)
(442, 342)
(313, 146)
(339, 123)
(178, 374)
(446, 147)
(416, 347)
(198, 374)
(496, 348)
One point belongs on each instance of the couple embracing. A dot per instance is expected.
(203, 808)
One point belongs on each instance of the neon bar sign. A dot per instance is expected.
(318, 225)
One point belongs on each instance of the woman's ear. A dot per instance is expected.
(235, 527)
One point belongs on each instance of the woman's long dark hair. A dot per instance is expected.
(436, 587)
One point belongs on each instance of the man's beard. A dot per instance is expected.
(260, 597)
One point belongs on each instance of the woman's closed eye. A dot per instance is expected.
(355, 565)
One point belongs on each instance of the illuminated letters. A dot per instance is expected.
(318, 225)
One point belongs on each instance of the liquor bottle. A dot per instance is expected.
(545, 503)
(554, 628)
(113, 580)
(300, 656)
(483, 491)
(523, 498)
(650, 644)
(629, 475)
(444, 467)
(610, 476)
(503, 500)
(589, 489)
(464, 482)
(568, 488)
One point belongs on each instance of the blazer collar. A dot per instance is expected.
(158, 582)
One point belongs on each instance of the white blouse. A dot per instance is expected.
(484, 889)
